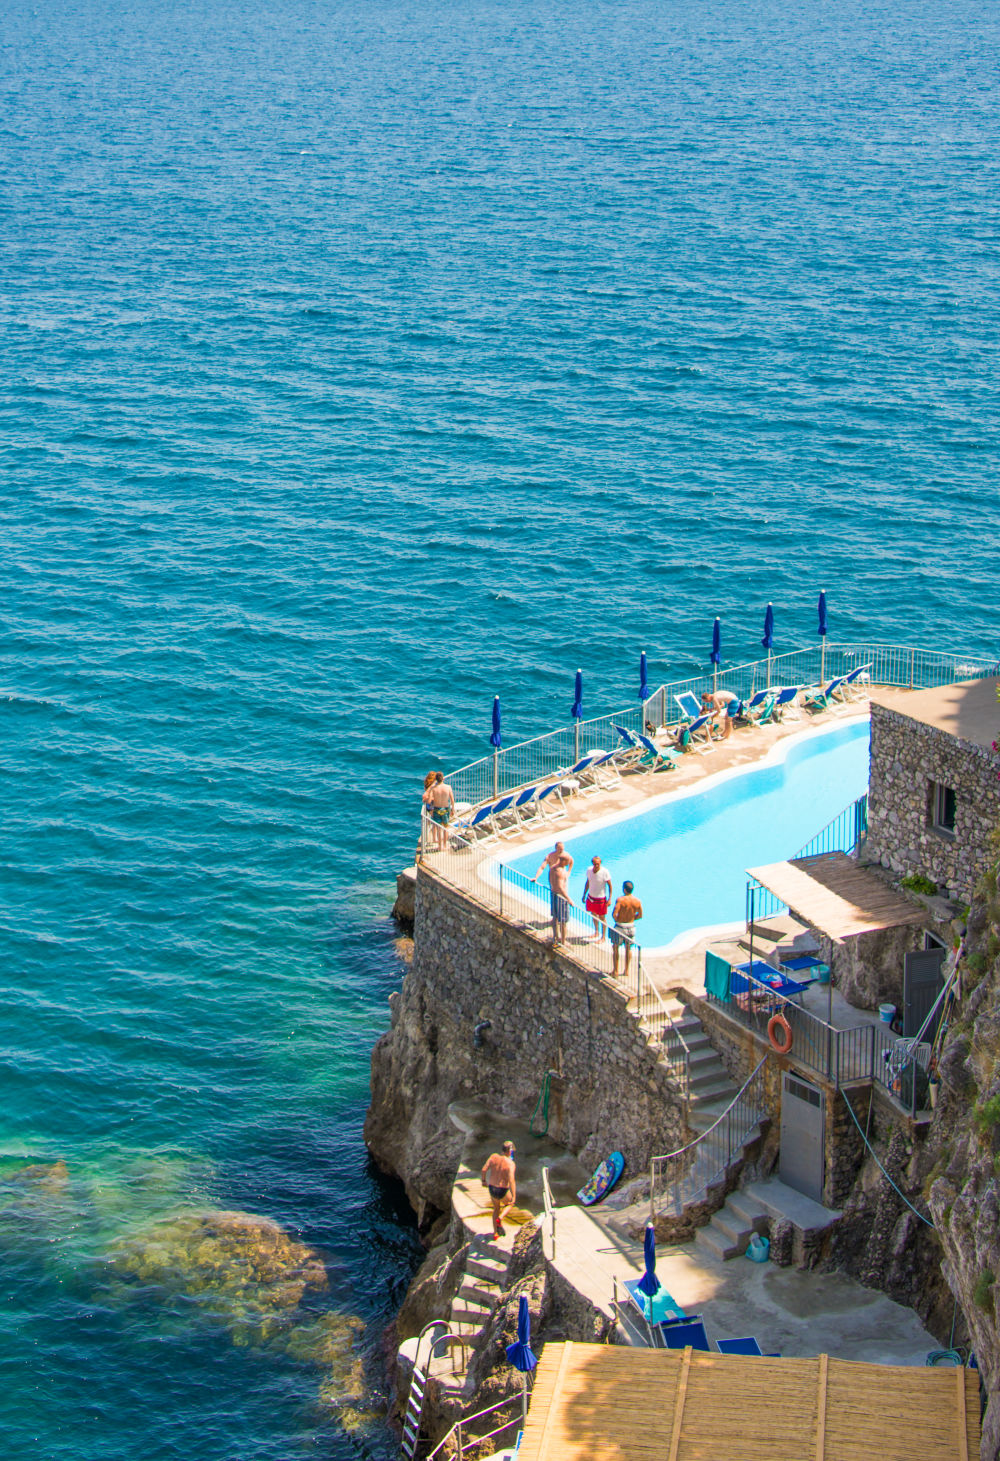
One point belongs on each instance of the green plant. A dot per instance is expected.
(976, 963)
(987, 1115)
(917, 883)
(982, 1294)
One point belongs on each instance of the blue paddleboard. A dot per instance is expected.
(603, 1179)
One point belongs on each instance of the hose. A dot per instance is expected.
(543, 1102)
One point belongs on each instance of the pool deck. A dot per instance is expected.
(744, 748)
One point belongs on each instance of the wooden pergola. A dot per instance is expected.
(620, 1404)
(832, 894)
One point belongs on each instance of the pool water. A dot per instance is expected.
(688, 853)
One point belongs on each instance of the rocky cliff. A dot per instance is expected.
(964, 1186)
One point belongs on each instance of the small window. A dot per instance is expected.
(942, 808)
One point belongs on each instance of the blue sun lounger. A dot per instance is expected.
(819, 697)
(679, 1333)
(747, 1345)
(785, 703)
(657, 1309)
(660, 758)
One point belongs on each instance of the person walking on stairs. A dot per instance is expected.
(498, 1177)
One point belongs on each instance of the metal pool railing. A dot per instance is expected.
(550, 755)
(525, 903)
(842, 834)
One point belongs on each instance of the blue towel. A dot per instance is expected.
(716, 977)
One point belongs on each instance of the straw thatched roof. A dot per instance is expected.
(623, 1404)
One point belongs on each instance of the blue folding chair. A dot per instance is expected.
(747, 1345)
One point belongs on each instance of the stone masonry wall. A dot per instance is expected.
(545, 1013)
(905, 757)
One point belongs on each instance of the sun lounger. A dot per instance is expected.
(679, 1333)
(699, 733)
(855, 685)
(758, 705)
(655, 1310)
(551, 807)
(747, 1345)
(474, 828)
(690, 704)
(659, 758)
(785, 705)
(818, 698)
(525, 809)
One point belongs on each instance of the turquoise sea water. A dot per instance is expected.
(687, 855)
(360, 362)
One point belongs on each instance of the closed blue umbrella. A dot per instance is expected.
(768, 641)
(649, 1284)
(822, 635)
(519, 1353)
(496, 742)
(577, 712)
(716, 651)
(643, 681)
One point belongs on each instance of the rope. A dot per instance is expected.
(543, 1101)
(885, 1174)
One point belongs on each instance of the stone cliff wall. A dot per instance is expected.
(965, 1190)
(545, 1013)
(905, 757)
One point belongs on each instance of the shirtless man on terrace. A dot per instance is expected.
(627, 911)
(560, 865)
(720, 704)
(498, 1176)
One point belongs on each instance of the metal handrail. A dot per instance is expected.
(550, 1207)
(843, 833)
(456, 1429)
(675, 1047)
(705, 1139)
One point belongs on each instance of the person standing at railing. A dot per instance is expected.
(597, 896)
(627, 912)
(439, 802)
(560, 865)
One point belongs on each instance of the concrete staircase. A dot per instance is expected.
(728, 1232)
(479, 1290)
(711, 1087)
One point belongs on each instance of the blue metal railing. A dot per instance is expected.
(841, 835)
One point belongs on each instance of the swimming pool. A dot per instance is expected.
(687, 853)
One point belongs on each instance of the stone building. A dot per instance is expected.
(934, 792)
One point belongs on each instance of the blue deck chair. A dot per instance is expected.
(747, 1345)
(525, 811)
(630, 752)
(679, 1333)
(501, 808)
(551, 807)
(700, 733)
(819, 697)
(690, 703)
(851, 686)
(785, 703)
(752, 709)
(475, 827)
(659, 758)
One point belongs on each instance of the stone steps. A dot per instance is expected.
(728, 1232)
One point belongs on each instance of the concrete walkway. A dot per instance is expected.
(792, 1312)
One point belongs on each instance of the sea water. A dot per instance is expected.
(361, 362)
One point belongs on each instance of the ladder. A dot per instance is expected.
(436, 1333)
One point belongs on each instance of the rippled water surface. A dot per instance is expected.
(359, 362)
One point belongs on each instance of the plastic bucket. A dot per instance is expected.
(758, 1248)
(886, 1012)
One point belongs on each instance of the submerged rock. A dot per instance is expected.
(245, 1271)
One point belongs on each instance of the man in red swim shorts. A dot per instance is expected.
(597, 896)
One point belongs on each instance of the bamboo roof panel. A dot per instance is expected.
(627, 1404)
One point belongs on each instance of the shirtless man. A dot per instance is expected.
(720, 702)
(627, 912)
(597, 895)
(560, 865)
(498, 1177)
(441, 804)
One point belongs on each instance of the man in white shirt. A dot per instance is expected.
(597, 896)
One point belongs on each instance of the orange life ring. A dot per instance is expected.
(779, 1032)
